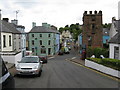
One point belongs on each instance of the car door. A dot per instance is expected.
(6, 79)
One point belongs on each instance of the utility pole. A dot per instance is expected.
(0, 29)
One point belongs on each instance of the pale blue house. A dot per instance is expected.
(105, 35)
(57, 42)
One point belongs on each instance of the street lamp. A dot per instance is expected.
(0, 28)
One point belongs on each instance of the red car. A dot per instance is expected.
(43, 58)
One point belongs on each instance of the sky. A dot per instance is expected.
(56, 12)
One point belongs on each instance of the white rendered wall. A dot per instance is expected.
(102, 68)
(12, 58)
(111, 50)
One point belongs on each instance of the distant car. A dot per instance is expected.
(66, 50)
(60, 52)
(68, 43)
(29, 65)
(43, 58)
(6, 79)
(69, 48)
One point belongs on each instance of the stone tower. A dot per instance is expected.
(92, 29)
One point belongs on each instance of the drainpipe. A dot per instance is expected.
(119, 37)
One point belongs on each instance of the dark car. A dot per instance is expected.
(43, 58)
(60, 52)
(6, 79)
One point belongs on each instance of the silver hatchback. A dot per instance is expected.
(29, 65)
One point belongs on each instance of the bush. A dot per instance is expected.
(112, 63)
(97, 52)
(89, 51)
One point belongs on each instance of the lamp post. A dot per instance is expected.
(119, 38)
(0, 29)
(0, 48)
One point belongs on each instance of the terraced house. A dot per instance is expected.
(43, 40)
(11, 42)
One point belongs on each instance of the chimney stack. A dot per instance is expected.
(6, 19)
(113, 19)
(14, 21)
(33, 24)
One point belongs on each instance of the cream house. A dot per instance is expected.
(66, 34)
(9, 35)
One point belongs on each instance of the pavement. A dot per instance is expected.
(11, 68)
(79, 61)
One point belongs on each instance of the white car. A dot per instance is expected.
(29, 65)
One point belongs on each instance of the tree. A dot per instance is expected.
(106, 25)
(61, 29)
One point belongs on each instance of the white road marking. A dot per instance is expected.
(51, 57)
(73, 57)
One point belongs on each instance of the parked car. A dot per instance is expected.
(66, 50)
(43, 58)
(29, 65)
(69, 48)
(60, 52)
(7, 80)
(68, 43)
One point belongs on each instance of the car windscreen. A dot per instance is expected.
(29, 60)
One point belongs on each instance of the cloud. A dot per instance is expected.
(56, 12)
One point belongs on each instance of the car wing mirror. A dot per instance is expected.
(18, 61)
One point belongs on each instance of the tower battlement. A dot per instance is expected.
(92, 13)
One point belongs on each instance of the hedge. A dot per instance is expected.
(112, 63)
(97, 52)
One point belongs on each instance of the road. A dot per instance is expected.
(59, 73)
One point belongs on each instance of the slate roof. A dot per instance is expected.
(9, 27)
(116, 24)
(41, 29)
(114, 39)
(5, 29)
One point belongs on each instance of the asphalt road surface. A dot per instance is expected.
(59, 73)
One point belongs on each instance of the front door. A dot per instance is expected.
(49, 51)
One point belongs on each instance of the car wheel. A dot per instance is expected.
(39, 74)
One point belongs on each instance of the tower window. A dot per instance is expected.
(93, 18)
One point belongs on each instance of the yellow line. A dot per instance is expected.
(96, 71)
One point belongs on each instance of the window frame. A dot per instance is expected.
(10, 44)
(33, 43)
(40, 42)
(4, 41)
